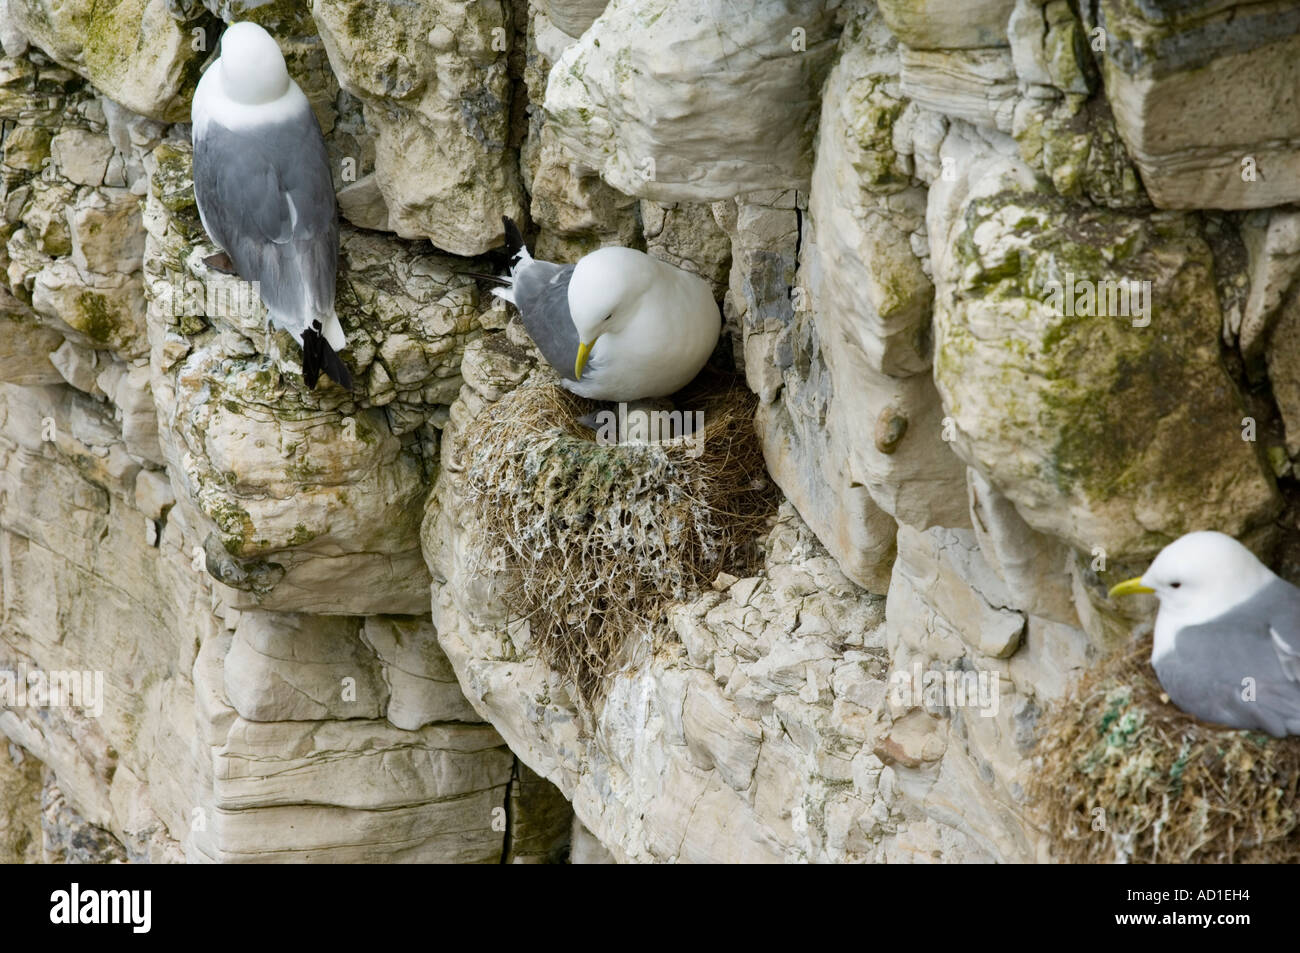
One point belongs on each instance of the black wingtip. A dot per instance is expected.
(317, 356)
(311, 357)
(333, 366)
(496, 279)
(514, 237)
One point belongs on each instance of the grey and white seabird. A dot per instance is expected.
(265, 195)
(1227, 636)
(617, 326)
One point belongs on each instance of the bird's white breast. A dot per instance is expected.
(1166, 633)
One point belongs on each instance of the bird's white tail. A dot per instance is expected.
(332, 331)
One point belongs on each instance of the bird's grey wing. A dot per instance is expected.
(1281, 602)
(542, 295)
(1227, 671)
(268, 200)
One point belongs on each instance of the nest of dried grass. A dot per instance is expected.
(1165, 787)
(593, 541)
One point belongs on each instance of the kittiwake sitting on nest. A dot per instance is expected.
(1227, 636)
(617, 326)
(263, 187)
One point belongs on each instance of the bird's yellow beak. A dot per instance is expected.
(584, 350)
(1130, 587)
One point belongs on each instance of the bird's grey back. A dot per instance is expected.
(541, 293)
(1205, 673)
(241, 178)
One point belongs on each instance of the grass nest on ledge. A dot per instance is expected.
(1128, 778)
(592, 540)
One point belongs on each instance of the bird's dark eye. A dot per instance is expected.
(608, 316)
(1174, 585)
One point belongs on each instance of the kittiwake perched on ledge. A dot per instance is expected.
(1227, 636)
(265, 195)
(619, 325)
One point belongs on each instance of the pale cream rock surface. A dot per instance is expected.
(1094, 413)
(1196, 93)
(571, 16)
(26, 346)
(784, 363)
(170, 769)
(945, 24)
(435, 80)
(421, 683)
(107, 568)
(575, 210)
(1034, 568)
(1272, 243)
(726, 106)
(135, 51)
(866, 260)
(978, 85)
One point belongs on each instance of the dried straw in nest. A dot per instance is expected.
(594, 540)
(1127, 777)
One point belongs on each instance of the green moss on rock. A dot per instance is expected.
(1084, 417)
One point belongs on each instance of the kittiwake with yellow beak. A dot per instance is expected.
(617, 326)
(1227, 636)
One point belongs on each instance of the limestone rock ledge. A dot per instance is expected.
(229, 735)
(763, 728)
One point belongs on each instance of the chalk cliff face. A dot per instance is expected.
(1014, 289)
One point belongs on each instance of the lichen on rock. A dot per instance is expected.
(133, 51)
(1078, 359)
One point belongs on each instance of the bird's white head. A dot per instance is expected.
(1199, 576)
(603, 292)
(252, 66)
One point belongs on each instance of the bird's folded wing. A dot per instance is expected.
(541, 292)
(1288, 652)
(268, 201)
(1284, 625)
